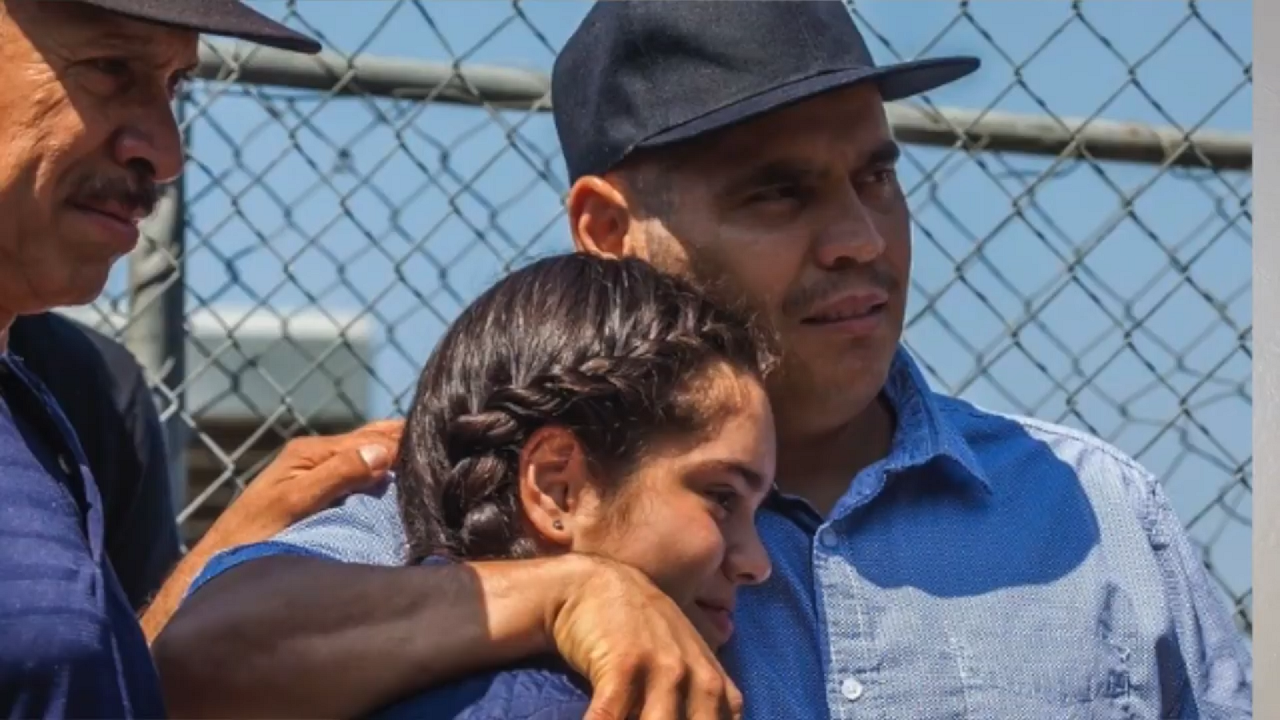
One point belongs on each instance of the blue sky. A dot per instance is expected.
(446, 187)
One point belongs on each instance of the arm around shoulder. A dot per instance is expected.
(295, 636)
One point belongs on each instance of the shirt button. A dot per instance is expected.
(851, 689)
(828, 538)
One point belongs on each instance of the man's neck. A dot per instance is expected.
(820, 467)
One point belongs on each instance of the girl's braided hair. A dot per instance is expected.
(607, 349)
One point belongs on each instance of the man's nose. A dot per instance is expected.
(153, 138)
(851, 239)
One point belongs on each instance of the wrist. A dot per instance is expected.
(528, 598)
(524, 598)
(573, 572)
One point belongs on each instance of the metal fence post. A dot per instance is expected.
(155, 331)
(1266, 369)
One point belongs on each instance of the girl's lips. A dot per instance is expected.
(720, 618)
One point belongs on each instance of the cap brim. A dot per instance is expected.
(226, 18)
(896, 82)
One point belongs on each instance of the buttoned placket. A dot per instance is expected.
(846, 659)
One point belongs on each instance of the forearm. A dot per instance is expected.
(170, 595)
(302, 637)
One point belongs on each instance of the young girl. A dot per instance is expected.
(593, 406)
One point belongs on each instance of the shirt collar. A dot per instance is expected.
(923, 435)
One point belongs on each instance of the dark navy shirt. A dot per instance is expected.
(101, 390)
(540, 690)
(69, 643)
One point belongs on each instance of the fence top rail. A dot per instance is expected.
(515, 89)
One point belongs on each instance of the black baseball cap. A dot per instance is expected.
(228, 18)
(640, 74)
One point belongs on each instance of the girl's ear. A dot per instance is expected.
(555, 487)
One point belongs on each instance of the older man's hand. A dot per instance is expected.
(309, 475)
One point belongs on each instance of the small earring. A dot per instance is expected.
(557, 525)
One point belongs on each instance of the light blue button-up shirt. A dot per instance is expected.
(990, 567)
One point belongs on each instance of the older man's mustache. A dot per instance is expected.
(134, 193)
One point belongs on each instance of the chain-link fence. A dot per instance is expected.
(1082, 227)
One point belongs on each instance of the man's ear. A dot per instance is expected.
(555, 486)
(600, 219)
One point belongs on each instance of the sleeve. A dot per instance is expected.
(1218, 664)
(364, 528)
(104, 395)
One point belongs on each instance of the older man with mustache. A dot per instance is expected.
(86, 134)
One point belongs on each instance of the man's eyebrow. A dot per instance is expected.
(113, 37)
(119, 39)
(777, 172)
(887, 153)
(133, 46)
(793, 172)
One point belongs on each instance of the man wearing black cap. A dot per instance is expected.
(930, 559)
(86, 134)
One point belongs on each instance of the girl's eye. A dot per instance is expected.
(725, 500)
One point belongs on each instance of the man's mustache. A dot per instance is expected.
(835, 284)
(713, 279)
(138, 192)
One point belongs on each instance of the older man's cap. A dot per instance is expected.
(645, 73)
(229, 18)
